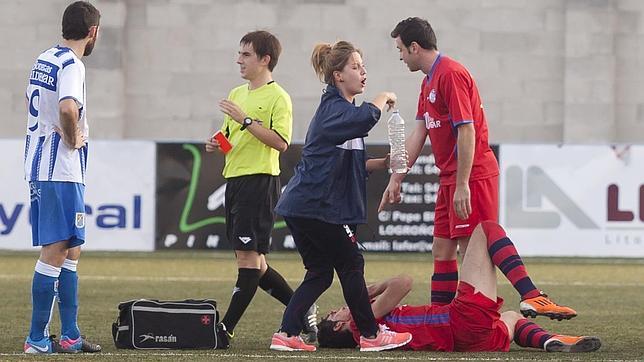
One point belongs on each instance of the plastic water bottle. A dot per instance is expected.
(397, 152)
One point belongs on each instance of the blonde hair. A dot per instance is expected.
(327, 58)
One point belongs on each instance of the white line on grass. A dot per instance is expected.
(310, 356)
(117, 278)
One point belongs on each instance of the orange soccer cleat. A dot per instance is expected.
(385, 340)
(542, 305)
(282, 342)
(572, 344)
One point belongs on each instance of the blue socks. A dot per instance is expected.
(50, 282)
(68, 299)
(43, 294)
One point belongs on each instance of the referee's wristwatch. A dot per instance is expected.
(246, 122)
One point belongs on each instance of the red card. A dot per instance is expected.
(224, 145)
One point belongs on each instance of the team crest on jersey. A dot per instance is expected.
(80, 220)
(432, 95)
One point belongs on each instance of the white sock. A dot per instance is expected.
(46, 269)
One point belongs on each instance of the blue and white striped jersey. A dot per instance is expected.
(57, 75)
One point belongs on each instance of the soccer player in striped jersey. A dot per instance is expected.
(55, 161)
(471, 322)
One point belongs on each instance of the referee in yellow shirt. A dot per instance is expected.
(258, 123)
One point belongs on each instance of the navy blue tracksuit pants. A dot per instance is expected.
(324, 248)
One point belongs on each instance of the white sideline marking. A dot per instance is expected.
(312, 355)
(228, 279)
(115, 278)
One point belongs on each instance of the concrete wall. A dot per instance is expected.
(554, 71)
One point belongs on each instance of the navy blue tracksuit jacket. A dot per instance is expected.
(330, 180)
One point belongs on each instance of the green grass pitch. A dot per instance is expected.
(608, 294)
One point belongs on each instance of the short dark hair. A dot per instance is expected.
(416, 30)
(78, 18)
(264, 43)
(329, 338)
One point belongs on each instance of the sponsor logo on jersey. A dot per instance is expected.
(44, 74)
(431, 122)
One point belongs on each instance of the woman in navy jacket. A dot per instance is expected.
(326, 198)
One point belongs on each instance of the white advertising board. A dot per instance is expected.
(573, 200)
(119, 196)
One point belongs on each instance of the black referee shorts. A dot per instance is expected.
(250, 203)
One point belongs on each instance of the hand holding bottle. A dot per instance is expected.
(385, 99)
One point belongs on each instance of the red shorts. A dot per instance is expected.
(476, 323)
(484, 195)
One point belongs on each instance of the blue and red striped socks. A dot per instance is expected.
(504, 255)
(444, 281)
(529, 334)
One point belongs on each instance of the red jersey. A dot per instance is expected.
(449, 98)
(471, 323)
(429, 326)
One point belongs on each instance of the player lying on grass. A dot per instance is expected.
(471, 322)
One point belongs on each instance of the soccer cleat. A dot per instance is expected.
(46, 345)
(572, 344)
(385, 340)
(282, 342)
(71, 345)
(542, 305)
(223, 337)
(79, 344)
(310, 322)
(89, 347)
(43, 346)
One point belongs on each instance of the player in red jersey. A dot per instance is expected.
(450, 112)
(471, 322)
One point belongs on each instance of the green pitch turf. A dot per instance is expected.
(608, 294)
